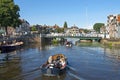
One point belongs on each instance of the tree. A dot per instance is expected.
(65, 24)
(33, 28)
(60, 30)
(97, 26)
(9, 14)
(86, 30)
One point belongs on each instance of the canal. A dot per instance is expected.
(87, 61)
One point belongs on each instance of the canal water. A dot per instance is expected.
(87, 61)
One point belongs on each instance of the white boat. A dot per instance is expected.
(68, 44)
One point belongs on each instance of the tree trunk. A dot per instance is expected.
(6, 30)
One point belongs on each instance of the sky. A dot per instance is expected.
(82, 13)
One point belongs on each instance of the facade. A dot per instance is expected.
(2, 31)
(10, 30)
(102, 29)
(74, 30)
(24, 28)
(113, 26)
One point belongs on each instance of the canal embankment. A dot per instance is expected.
(111, 42)
(31, 38)
(26, 39)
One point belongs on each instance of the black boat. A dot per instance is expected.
(10, 47)
(55, 65)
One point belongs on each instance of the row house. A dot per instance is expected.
(74, 30)
(113, 26)
(24, 28)
(43, 29)
(10, 31)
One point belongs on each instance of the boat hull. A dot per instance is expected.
(5, 49)
(9, 47)
(52, 71)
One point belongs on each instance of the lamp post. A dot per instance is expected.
(104, 32)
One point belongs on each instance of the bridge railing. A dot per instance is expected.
(67, 35)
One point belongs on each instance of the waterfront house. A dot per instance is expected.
(74, 30)
(113, 24)
(10, 30)
(24, 28)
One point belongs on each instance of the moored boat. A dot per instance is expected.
(10, 46)
(55, 65)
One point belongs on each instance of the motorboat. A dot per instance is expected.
(7, 47)
(55, 65)
(68, 44)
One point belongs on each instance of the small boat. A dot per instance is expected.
(55, 65)
(10, 47)
(68, 44)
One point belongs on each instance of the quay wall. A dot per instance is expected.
(111, 42)
(25, 38)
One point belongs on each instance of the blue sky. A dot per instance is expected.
(82, 13)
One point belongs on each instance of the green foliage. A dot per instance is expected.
(59, 30)
(97, 26)
(9, 14)
(65, 25)
(33, 28)
(86, 30)
(55, 41)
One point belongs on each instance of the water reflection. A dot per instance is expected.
(62, 77)
(112, 52)
(87, 61)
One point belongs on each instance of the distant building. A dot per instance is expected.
(24, 28)
(113, 26)
(2, 31)
(67, 30)
(10, 30)
(102, 29)
(74, 30)
(55, 26)
(81, 31)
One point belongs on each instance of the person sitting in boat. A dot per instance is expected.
(57, 60)
(49, 62)
(62, 63)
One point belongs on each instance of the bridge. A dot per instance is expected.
(93, 38)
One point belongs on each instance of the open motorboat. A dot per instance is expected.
(55, 65)
(68, 44)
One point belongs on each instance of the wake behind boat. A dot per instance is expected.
(55, 65)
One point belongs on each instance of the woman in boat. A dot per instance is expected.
(55, 65)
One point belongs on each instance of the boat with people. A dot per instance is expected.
(68, 44)
(55, 65)
(7, 47)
